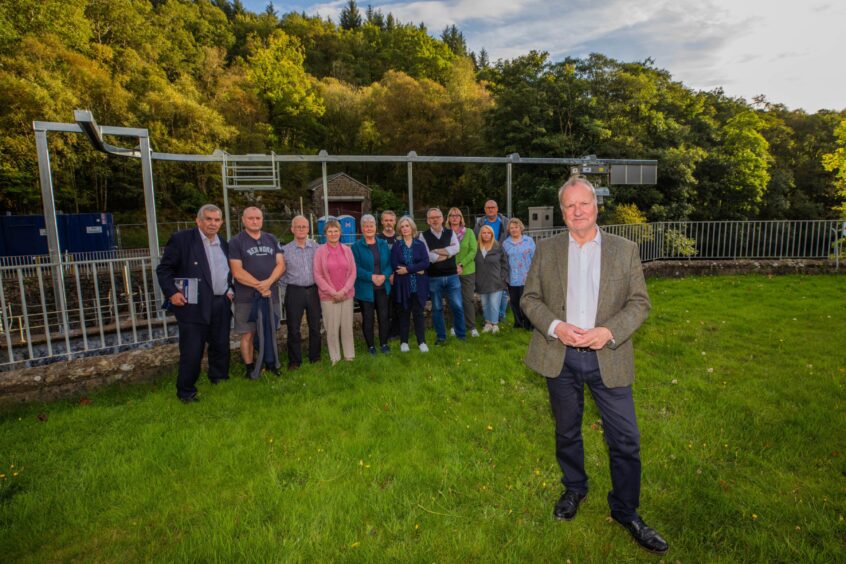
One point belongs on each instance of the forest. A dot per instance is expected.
(202, 75)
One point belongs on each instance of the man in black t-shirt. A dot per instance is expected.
(257, 263)
(388, 220)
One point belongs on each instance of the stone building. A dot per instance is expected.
(347, 196)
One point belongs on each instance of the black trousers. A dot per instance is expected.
(193, 338)
(520, 319)
(301, 300)
(415, 310)
(616, 405)
(379, 307)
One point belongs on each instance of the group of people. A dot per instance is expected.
(582, 293)
(391, 273)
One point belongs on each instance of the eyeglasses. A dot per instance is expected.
(455, 215)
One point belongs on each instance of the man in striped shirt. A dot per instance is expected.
(301, 294)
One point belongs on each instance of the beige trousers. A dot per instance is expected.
(338, 320)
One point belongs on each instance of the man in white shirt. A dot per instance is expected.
(443, 245)
(583, 338)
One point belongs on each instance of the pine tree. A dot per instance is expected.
(350, 16)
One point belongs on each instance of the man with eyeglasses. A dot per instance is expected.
(442, 245)
(301, 294)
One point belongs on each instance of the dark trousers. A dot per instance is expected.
(616, 405)
(415, 310)
(379, 307)
(520, 319)
(300, 300)
(394, 313)
(468, 301)
(193, 338)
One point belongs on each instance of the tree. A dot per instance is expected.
(277, 74)
(454, 39)
(350, 17)
(836, 162)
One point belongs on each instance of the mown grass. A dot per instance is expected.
(449, 456)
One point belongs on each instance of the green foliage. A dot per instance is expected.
(208, 74)
(836, 162)
(677, 244)
(442, 456)
(350, 17)
(625, 214)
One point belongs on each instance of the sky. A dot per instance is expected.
(787, 51)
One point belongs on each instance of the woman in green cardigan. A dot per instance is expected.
(466, 262)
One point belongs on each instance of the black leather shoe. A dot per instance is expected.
(644, 535)
(568, 505)
(190, 399)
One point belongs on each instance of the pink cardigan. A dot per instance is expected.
(321, 273)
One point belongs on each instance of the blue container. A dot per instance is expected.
(78, 233)
(25, 235)
(347, 229)
(90, 232)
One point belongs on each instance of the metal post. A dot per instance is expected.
(150, 204)
(511, 158)
(325, 153)
(411, 155)
(49, 205)
(225, 200)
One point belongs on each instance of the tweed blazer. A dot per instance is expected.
(623, 306)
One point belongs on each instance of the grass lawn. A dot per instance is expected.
(449, 456)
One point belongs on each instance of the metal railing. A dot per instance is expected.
(730, 240)
(111, 304)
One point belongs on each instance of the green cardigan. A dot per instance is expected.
(466, 256)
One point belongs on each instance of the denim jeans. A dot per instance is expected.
(451, 286)
(503, 305)
(490, 306)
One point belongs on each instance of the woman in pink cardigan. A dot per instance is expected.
(334, 274)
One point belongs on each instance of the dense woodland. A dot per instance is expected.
(208, 74)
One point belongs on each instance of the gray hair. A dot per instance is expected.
(407, 219)
(573, 181)
(208, 208)
(366, 218)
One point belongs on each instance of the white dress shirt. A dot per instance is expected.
(452, 248)
(583, 270)
(218, 265)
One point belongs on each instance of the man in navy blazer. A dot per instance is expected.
(199, 255)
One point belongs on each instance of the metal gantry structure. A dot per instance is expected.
(260, 172)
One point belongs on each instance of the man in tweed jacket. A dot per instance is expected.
(586, 296)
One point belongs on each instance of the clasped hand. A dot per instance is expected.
(573, 336)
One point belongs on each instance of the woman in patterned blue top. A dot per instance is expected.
(409, 261)
(520, 250)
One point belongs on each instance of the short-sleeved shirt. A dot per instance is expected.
(390, 240)
(258, 257)
(496, 225)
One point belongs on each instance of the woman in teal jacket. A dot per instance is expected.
(373, 282)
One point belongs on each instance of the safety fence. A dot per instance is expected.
(110, 302)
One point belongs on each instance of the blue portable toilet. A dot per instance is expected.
(321, 225)
(347, 229)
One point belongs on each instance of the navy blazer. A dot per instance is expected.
(185, 257)
(402, 282)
